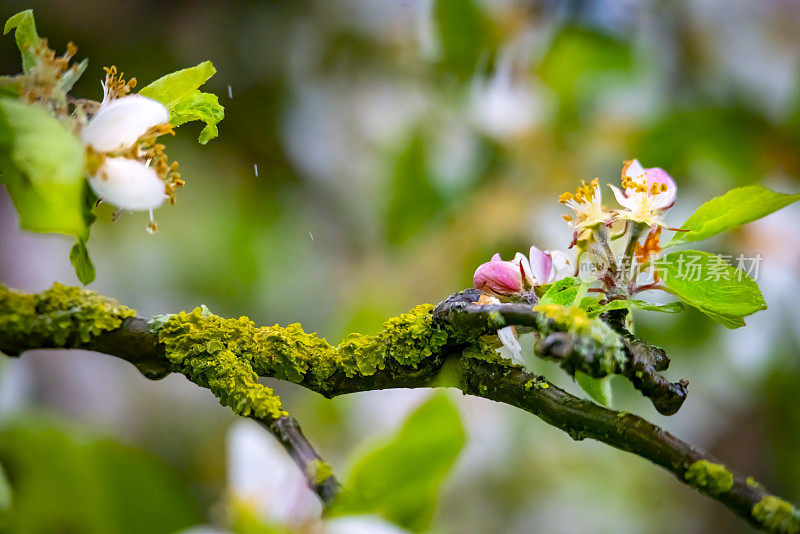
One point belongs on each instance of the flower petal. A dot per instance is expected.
(633, 170)
(525, 268)
(121, 122)
(128, 184)
(562, 266)
(542, 266)
(666, 199)
(625, 202)
(508, 337)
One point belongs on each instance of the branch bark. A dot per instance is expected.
(581, 419)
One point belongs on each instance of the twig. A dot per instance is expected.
(493, 380)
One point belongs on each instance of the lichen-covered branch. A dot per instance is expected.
(228, 355)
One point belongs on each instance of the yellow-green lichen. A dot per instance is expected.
(59, 313)
(318, 471)
(712, 478)
(215, 353)
(592, 336)
(777, 515)
(227, 355)
(539, 383)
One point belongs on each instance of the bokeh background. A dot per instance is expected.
(372, 155)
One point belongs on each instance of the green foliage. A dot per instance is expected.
(90, 486)
(6, 499)
(576, 64)
(598, 389)
(463, 32)
(400, 480)
(414, 199)
(25, 35)
(728, 138)
(733, 209)
(708, 283)
(562, 292)
(43, 166)
(79, 258)
(179, 91)
(199, 106)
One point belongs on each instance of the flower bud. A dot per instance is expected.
(121, 122)
(128, 184)
(498, 277)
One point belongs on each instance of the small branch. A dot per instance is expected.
(495, 380)
(318, 474)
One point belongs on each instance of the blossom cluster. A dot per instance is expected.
(127, 168)
(644, 196)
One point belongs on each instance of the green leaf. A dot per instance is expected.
(414, 201)
(598, 389)
(65, 481)
(25, 35)
(400, 480)
(563, 292)
(43, 166)
(199, 107)
(10, 86)
(79, 258)
(170, 89)
(710, 284)
(5, 491)
(6, 500)
(733, 209)
(179, 91)
(464, 35)
(671, 307)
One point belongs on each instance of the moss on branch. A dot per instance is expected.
(228, 356)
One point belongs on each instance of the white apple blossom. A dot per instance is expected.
(128, 184)
(587, 203)
(120, 123)
(646, 193)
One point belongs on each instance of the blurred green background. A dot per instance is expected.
(398, 145)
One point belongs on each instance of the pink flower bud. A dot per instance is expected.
(498, 277)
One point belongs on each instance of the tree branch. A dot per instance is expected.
(456, 333)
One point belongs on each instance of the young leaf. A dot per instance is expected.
(708, 283)
(43, 166)
(180, 92)
(170, 89)
(562, 292)
(199, 107)
(79, 258)
(91, 485)
(599, 389)
(400, 480)
(25, 35)
(733, 209)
